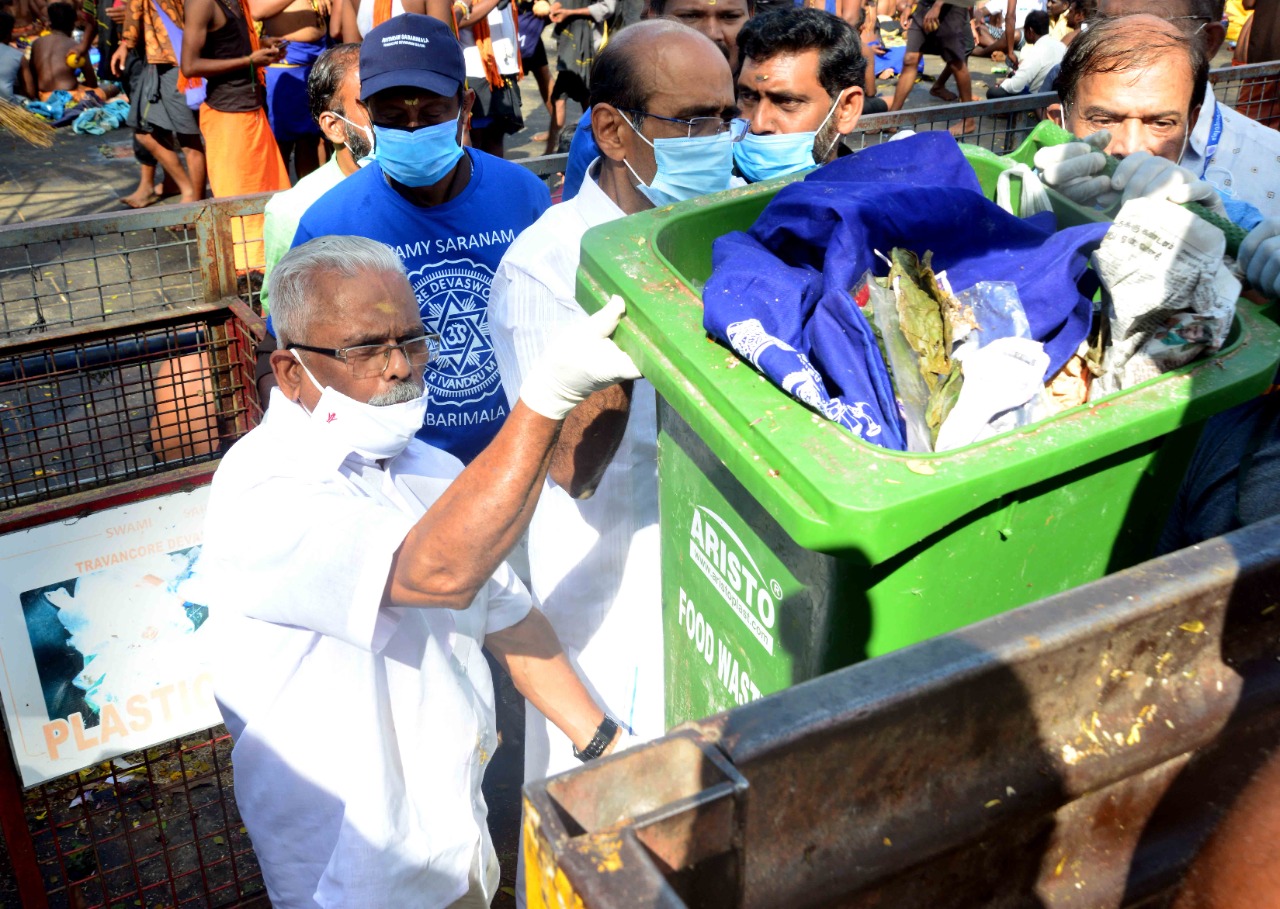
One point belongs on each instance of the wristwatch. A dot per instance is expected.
(605, 732)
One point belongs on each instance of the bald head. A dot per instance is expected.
(658, 81)
(625, 72)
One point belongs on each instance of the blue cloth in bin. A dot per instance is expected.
(780, 294)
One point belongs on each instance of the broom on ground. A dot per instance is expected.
(25, 125)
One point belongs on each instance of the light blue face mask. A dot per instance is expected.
(687, 168)
(418, 158)
(778, 155)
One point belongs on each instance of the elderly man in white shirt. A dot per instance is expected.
(349, 669)
(593, 543)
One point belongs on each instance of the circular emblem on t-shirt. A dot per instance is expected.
(454, 299)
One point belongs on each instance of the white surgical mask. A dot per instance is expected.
(367, 429)
(368, 133)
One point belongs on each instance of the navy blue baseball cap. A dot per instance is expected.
(411, 51)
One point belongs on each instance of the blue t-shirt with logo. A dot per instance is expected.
(450, 253)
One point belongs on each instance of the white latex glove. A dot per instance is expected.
(1143, 175)
(1260, 257)
(1075, 168)
(580, 361)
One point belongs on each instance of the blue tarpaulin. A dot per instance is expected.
(780, 294)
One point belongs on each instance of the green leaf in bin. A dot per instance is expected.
(942, 400)
(925, 312)
(921, 318)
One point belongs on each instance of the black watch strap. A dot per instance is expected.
(599, 742)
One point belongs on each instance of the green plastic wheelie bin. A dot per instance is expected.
(790, 547)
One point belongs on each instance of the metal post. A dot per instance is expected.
(17, 835)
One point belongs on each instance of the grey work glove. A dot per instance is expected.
(1075, 169)
(1260, 257)
(580, 361)
(1143, 175)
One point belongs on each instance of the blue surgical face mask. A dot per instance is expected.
(778, 155)
(687, 168)
(418, 158)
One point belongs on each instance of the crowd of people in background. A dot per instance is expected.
(138, 48)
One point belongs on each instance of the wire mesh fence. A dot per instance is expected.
(999, 125)
(1003, 124)
(153, 828)
(66, 281)
(1253, 90)
(107, 405)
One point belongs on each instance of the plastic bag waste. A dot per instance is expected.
(1007, 391)
(1003, 383)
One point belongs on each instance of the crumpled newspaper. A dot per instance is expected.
(1169, 296)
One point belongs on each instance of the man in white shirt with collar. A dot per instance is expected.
(1128, 87)
(1042, 53)
(659, 90)
(1238, 156)
(349, 668)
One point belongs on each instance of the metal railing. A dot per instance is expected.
(77, 272)
(157, 827)
(1001, 125)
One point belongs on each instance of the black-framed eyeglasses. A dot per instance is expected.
(698, 127)
(368, 360)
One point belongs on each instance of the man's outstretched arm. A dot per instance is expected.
(456, 546)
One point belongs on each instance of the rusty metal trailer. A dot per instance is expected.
(1074, 752)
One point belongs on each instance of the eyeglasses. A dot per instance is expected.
(698, 127)
(368, 360)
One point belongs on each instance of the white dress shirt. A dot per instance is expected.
(361, 731)
(1034, 63)
(1245, 164)
(593, 562)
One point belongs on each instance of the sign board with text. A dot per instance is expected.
(102, 641)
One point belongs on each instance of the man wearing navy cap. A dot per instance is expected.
(449, 213)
